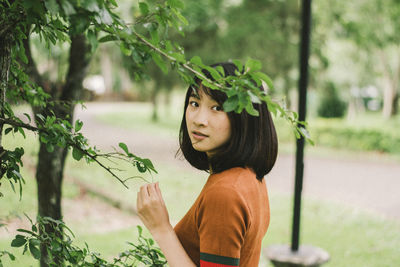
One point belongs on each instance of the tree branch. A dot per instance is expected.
(185, 65)
(15, 123)
(79, 59)
(31, 68)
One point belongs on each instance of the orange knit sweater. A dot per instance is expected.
(228, 220)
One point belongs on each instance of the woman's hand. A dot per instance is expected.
(152, 210)
(153, 213)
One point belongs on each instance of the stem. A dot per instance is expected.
(93, 157)
(185, 65)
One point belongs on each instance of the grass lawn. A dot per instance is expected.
(352, 237)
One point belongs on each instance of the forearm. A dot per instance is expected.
(172, 248)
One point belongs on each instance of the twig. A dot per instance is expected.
(185, 65)
(36, 129)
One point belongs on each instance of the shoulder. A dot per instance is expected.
(235, 176)
(229, 187)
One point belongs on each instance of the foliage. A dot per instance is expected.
(142, 41)
(378, 38)
(144, 252)
(10, 255)
(339, 135)
(330, 104)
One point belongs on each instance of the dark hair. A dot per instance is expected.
(253, 142)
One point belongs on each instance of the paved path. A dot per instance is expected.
(368, 184)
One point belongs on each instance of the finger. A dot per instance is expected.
(148, 187)
(143, 192)
(157, 187)
(138, 201)
(152, 191)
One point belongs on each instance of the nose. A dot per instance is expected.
(200, 118)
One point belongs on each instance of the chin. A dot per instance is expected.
(199, 148)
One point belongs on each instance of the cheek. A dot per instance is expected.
(225, 129)
(187, 117)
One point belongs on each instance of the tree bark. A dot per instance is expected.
(390, 90)
(154, 102)
(5, 62)
(50, 168)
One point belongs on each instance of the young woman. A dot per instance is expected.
(227, 222)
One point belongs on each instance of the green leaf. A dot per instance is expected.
(43, 138)
(78, 125)
(51, 6)
(209, 85)
(197, 61)
(107, 38)
(18, 241)
(34, 251)
(181, 17)
(176, 4)
(21, 131)
(179, 57)
(68, 8)
(149, 164)
(238, 64)
(124, 147)
(27, 115)
(90, 5)
(214, 73)
(253, 65)
(253, 97)
(12, 257)
(114, 3)
(140, 230)
(160, 63)
(141, 167)
(265, 78)
(250, 109)
(154, 36)
(6, 131)
(125, 50)
(220, 69)
(144, 8)
(16, 173)
(231, 103)
(77, 154)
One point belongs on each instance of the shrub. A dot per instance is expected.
(338, 134)
(330, 104)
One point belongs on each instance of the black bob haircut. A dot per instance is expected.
(253, 142)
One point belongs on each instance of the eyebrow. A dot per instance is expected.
(193, 94)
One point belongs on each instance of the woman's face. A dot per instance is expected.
(208, 125)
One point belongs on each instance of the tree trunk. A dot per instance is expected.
(49, 176)
(390, 90)
(154, 94)
(5, 62)
(390, 101)
(49, 172)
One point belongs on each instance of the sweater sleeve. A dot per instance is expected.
(222, 221)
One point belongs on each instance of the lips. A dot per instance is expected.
(199, 135)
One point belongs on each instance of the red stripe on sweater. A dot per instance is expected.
(212, 264)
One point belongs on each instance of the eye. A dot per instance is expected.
(193, 103)
(217, 108)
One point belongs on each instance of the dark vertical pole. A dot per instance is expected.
(304, 54)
